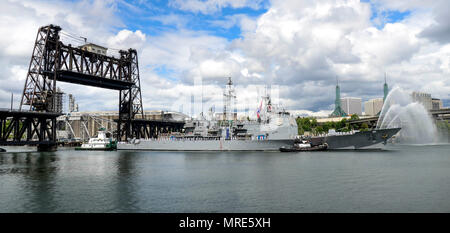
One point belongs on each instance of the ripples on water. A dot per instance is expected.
(400, 179)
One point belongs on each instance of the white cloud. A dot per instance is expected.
(182, 52)
(171, 19)
(309, 43)
(244, 22)
(126, 39)
(303, 113)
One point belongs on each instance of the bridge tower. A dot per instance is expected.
(40, 86)
(130, 100)
(53, 61)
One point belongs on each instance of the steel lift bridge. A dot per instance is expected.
(35, 122)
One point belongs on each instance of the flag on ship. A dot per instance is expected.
(259, 109)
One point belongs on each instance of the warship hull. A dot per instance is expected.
(206, 145)
(358, 140)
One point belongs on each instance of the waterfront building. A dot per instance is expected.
(352, 105)
(83, 125)
(59, 101)
(423, 98)
(373, 107)
(436, 104)
(73, 106)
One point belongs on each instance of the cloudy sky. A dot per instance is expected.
(297, 47)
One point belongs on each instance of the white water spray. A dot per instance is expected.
(399, 110)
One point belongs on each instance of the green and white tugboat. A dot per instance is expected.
(103, 141)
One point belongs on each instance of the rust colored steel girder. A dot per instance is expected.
(141, 128)
(53, 61)
(39, 87)
(87, 68)
(27, 128)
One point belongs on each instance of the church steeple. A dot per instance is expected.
(337, 102)
(338, 112)
(386, 88)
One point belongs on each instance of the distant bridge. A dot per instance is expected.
(368, 120)
(440, 114)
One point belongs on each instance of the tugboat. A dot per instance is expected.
(103, 141)
(304, 145)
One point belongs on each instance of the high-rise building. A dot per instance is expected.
(351, 105)
(423, 98)
(59, 100)
(373, 106)
(436, 104)
(73, 107)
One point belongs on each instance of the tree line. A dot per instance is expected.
(309, 124)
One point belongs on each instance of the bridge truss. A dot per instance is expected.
(53, 61)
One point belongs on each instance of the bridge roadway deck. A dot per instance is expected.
(4, 112)
(91, 80)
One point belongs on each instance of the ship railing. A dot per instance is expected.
(338, 133)
(203, 139)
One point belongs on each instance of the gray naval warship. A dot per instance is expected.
(273, 129)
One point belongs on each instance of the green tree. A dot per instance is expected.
(314, 122)
(364, 127)
(340, 125)
(306, 125)
(319, 129)
(327, 126)
(354, 117)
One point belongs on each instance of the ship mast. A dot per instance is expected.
(264, 108)
(229, 97)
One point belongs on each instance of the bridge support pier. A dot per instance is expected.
(47, 148)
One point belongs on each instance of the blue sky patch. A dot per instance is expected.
(380, 17)
(157, 17)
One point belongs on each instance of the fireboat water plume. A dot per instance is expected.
(399, 110)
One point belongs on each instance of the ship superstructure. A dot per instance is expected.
(274, 128)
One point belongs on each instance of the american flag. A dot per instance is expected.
(259, 109)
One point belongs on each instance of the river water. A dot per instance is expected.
(398, 179)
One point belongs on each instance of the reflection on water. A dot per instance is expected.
(401, 179)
